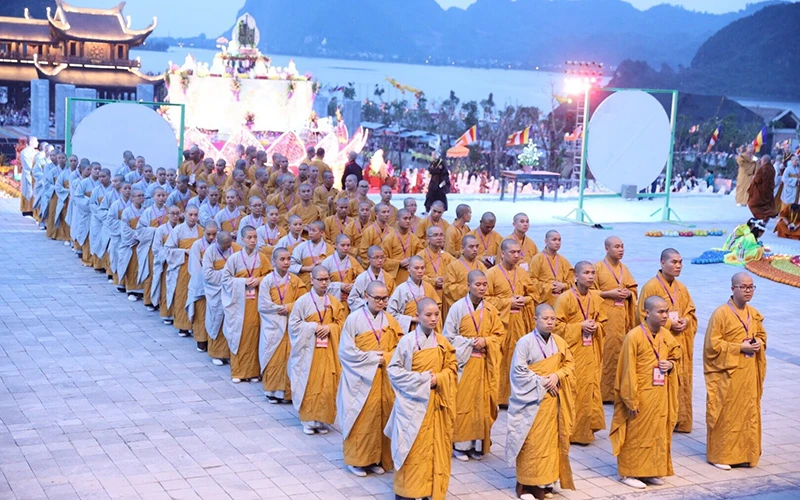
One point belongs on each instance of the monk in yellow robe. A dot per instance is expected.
(455, 276)
(310, 253)
(489, 239)
(400, 245)
(324, 197)
(284, 200)
(280, 289)
(619, 292)
(214, 260)
(269, 234)
(646, 399)
(474, 329)
(457, 230)
(259, 188)
(528, 248)
(361, 197)
(343, 269)
(306, 210)
(356, 228)
(386, 199)
(510, 293)
(196, 297)
(180, 241)
(551, 273)
(242, 276)
(220, 177)
(405, 297)
(349, 193)
(375, 233)
(436, 259)
(128, 246)
(410, 204)
(337, 223)
(734, 364)
(315, 325)
(580, 321)
(681, 322)
(747, 163)
(229, 217)
(541, 409)
(423, 373)
(434, 219)
(365, 397)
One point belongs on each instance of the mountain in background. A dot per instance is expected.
(753, 56)
(489, 32)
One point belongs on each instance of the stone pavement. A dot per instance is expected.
(99, 399)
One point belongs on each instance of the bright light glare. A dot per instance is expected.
(575, 86)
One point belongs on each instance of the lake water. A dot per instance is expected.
(516, 87)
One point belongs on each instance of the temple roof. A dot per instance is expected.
(107, 25)
(15, 29)
(95, 77)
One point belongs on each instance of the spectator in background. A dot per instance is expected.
(351, 167)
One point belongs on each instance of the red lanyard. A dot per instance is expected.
(584, 312)
(647, 334)
(374, 331)
(325, 305)
(400, 239)
(513, 284)
(244, 263)
(674, 290)
(438, 260)
(471, 311)
(541, 344)
(336, 261)
(621, 272)
(746, 326)
(554, 270)
(284, 282)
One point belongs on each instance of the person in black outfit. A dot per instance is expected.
(439, 185)
(351, 167)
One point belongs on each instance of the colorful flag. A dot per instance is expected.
(469, 137)
(519, 138)
(694, 129)
(575, 135)
(760, 139)
(714, 138)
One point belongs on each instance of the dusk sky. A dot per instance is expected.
(191, 17)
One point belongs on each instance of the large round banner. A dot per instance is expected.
(629, 140)
(111, 129)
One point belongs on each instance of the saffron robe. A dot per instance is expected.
(313, 366)
(679, 301)
(734, 386)
(455, 279)
(228, 220)
(761, 193)
(621, 318)
(435, 266)
(423, 225)
(544, 271)
(334, 227)
(372, 235)
(284, 204)
(488, 244)
(643, 443)
(320, 200)
(341, 271)
(571, 310)
(365, 396)
(354, 231)
(308, 254)
(179, 241)
(539, 424)
(453, 237)
(421, 423)
(528, 247)
(357, 297)
(309, 213)
(747, 169)
(398, 247)
(213, 264)
(403, 302)
(478, 371)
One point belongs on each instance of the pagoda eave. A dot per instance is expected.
(97, 77)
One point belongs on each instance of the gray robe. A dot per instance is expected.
(159, 258)
(267, 236)
(98, 238)
(26, 158)
(174, 256)
(452, 329)
(62, 192)
(212, 284)
(114, 233)
(249, 220)
(82, 218)
(145, 233)
(207, 212)
(273, 325)
(334, 264)
(196, 287)
(527, 391)
(303, 338)
(127, 240)
(402, 295)
(357, 298)
(233, 299)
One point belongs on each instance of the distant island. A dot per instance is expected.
(155, 45)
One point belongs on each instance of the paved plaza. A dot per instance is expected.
(99, 399)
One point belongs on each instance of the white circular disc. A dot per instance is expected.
(111, 129)
(629, 140)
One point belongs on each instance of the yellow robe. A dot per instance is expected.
(366, 444)
(258, 191)
(621, 319)
(245, 364)
(589, 416)
(516, 323)
(319, 400)
(544, 271)
(355, 202)
(684, 306)
(734, 386)
(218, 349)
(544, 457)
(529, 250)
(334, 227)
(747, 170)
(434, 268)
(312, 260)
(130, 278)
(180, 316)
(220, 181)
(353, 231)
(424, 224)
(643, 444)
(397, 247)
(320, 200)
(322, 167)
(452, 239)
(348, 275)
(275, 376)
(478, 385)
(372, 235)
(488, 244)
(308, 213)
(349, 197)
(455, 280)
(284, 204)
(426, 471)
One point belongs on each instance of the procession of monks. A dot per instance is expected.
(411, 333)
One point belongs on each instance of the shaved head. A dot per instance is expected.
(473, 275)
(542, 308)
(224, 237)
(317, 271)
(549, 234)
(376, 288)
(653, 302)
(425, 303)
(667, 253)
(611, 241)
(741, 277)
(488, 217)
(278, 251)
(507, 244)
(371, 251)
(580, 266)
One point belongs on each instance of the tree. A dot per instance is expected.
(488, 107)
(471, 113)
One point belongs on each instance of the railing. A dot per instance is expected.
(59, 59)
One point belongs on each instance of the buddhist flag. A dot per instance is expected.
(469, 137)
(714, 139)
(519, 138)
(760, 139)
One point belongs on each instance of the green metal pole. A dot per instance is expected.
(183, 127)
(68, 128)
(665, 216)
(585, 148)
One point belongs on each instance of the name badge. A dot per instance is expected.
(619, 303)
(476, 354)
(523, 265)
(673, 316)
(322, 343)
(587, 341)
(659, 377)
(191, 179)
(249, 293)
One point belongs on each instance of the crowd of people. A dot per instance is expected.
(410, 332)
